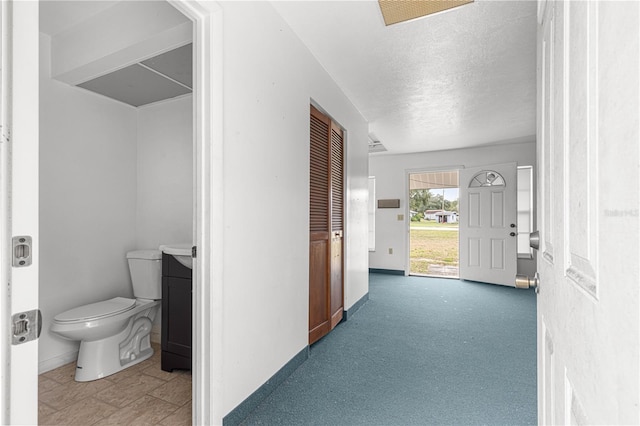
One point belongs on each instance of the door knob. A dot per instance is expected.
(513, 234)
(523, 281)
(534, 240)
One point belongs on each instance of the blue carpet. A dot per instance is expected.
(421, 351)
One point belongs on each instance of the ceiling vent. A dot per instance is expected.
(376, 146)
(162, 77)
(394, 11)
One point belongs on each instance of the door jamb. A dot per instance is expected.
(5, 231)
(19, 100)
(208, 215)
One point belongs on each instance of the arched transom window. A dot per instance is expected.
(487, 178)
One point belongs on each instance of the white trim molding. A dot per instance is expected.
(208, 211)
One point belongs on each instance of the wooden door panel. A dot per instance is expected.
(337, 296)
(319, 323)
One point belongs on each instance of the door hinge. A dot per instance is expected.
(21, 249)
(26, 326)
(194, 252)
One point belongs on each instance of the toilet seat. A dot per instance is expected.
(97, 310)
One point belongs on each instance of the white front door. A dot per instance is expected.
(588, 212)
(19, 209)
(488, 233)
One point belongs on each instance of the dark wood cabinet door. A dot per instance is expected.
(176, 309)
(176, 315)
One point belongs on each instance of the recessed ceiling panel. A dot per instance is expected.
(394, 11)
(175, 64)
(135, 85)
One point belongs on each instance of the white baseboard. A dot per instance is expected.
(58, 361)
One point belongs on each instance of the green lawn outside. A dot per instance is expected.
(433, 247)
(433, 224)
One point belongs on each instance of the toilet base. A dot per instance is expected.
(102, 358)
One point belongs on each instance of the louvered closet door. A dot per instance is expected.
(337, 201)
(326, 206)
(319, 204)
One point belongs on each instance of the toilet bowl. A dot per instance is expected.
(114, 334)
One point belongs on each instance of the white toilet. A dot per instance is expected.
(115, 334)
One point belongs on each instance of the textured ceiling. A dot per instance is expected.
(461, 78)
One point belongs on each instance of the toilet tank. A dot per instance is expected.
(145, 267)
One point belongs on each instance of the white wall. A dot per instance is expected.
(165, 173)
(390, 172)
(87, 202)
(269, 80)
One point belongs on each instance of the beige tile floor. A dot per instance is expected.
(140, 395)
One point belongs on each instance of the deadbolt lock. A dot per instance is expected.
(534, 240)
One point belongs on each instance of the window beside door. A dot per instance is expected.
(525, 211)
(372, 213)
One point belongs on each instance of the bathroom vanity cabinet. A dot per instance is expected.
(176, 314)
